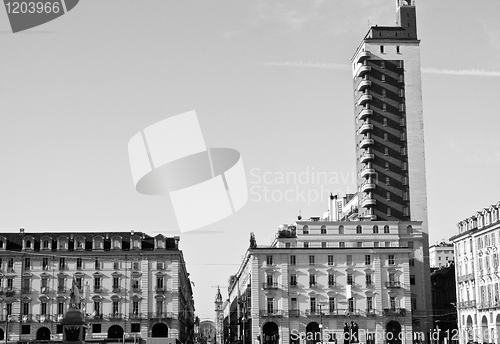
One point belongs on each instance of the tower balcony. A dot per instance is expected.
(364, 114)
(365, 157)
(363, 85)
(368, 202)
(366, 142)
(363, 55)
(365, 128)
(366, 171)
(366, 186)
(365, 98)
(362, 71)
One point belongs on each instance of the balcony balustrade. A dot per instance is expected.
(364, 84)
(365, 113)
(365, 128)
(269, 285)
(366, 142)
(366, 186)
(161, 315)
(115, 316)
(368, 202)
(365, 98)
(393, 284)
(365, 157)
(135, 315)
(362, 56)
(362, 71)
(394, 311)
(293, 313)
(270, 313)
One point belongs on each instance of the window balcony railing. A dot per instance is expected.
(363, 85)
(366, 171)
(394, 311)
(363, 114)
(332, 284)
(365, 143)
(393, 284)
(161, 290)
(44, 290)
(61, 289)
(293, 313)
(270, 313)
(366, 157)
(26, 318)
(293, 285)
(135, 315)
(370, 312)
(136, 289)
(97, 290)
(313, 284)
(26, 290)
(362, 71)
(364, 99)
(161, 315)
(116, 289)
(268, 285)
(42, 318)
(115, 315)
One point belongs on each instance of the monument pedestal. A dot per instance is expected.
(73, 326)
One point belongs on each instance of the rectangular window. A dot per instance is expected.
(402, 122)
(312, 304)
(412, 279)
(43, 308)
(60, 308)
(341, 244)
(387, 181)
(382, 78)
(368, 279)
(405, 195)
(384, 122)
(359, 244)
(392, 301)
(405, 211)
(412, 262)
(79, 263)
(27, 263)
(293, 303)
(270, 305)
(330, 259)
(96, 328)
(398, 50)
(25, 329)
(159, 307)
(312, 280)
(384, 92)
(376, 244)
(349, 259)
(349, 278)
(45, 263)
(405, 180)
(97, 284)
(135, 308)
(401, 92)
(136, 266)
(388, 211)
(331, 304)
(403, 165)
(311, 260)
(25, 285)
(323, 244)
(382, 64)
(62, 263)
(388, 195)
(97, 264)
(381, 49)
(116, 308)
(26, 308)
(10, 264)
(390, 259)
(331, 279)
(293, 280)
(135, 328)
(116, 284)
(368, 259)
(410, 244)
(269, 260)
(351, 305)
(293, 260)
(369, 303)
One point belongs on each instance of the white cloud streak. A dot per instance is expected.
(334, 66)
(467, 72)
(308, 65)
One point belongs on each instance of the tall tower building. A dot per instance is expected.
(389, 121)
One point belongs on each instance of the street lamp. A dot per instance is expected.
(6, 323)
(321, 322)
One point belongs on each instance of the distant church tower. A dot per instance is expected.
(219, 316)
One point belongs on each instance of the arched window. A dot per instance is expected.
(341, 229)
(375, 229)
(323, 229)
(359, 229)
(409, 229)
(305, 229)
(386, 229)
(28, 243)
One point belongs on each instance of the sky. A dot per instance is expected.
(270, 79)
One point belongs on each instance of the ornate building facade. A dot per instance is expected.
(477, 246)
(132, 286)
(320, 275)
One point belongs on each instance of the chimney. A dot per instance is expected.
(332, 208)
(177, 238)
(21, 231)
(132, 232)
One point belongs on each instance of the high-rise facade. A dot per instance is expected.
(389, 121)
(132, 286)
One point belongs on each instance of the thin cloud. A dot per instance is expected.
(308, 65)
(335, 66)
(468, 72)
